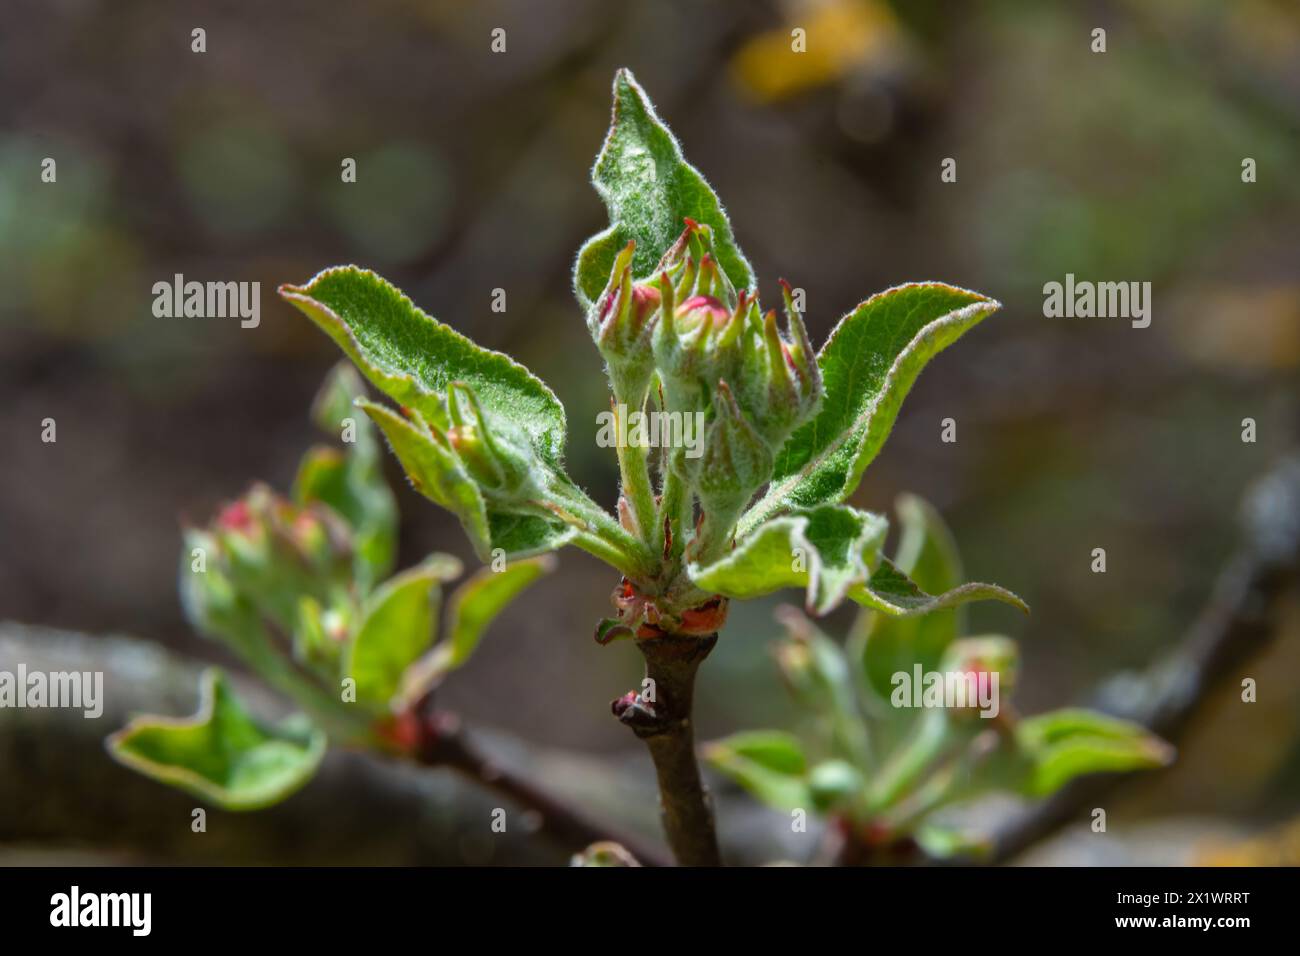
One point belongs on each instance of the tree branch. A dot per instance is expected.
(661, 716)
(1237, 623)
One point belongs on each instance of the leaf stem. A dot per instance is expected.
(603, 536)
(634, 468)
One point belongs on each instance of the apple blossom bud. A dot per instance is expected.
(621, 323)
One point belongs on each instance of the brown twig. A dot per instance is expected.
(661, 716)
(442, 742)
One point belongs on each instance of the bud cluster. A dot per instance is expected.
(713, 350)
(265, 562)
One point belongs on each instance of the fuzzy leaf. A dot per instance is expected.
(438, 474)
(868, 366)
(435, 472)
(893, 592)
(767, 763)
(222, 754)
(472, 608)
(826, 550)
(1064, 744)
(648, 189)
(398, 625)
(413, 358)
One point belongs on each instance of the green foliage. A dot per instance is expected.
(648, 189)
(768, 763)
(295, 588)
(222, 754)
(826, 550)
(671, 304)
(868, 366)
(882, 767)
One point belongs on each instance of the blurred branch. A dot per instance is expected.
(58, 786)
(1237, 623)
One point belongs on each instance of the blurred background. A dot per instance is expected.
(472, 166)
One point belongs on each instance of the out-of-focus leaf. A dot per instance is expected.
(835, 785)
(942, 843)
(868, 366)
(820, 678)
(351, 482)
(397, 626)
(472, 608)
(649, 189)
(222, 754)
(767, 763)
(1064, 744)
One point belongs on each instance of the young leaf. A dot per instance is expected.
(398, 626)
(768, 763)
(1064, 744)
(825, 550)
(435, 472)
(222, 754)
(351, 483)
(893, 592)
(818, 676)
(649, 189)
(472, 608)
(942, 843)
(413, 358)
(868, 366)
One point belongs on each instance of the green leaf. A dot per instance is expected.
(222, 754)
(942, 843)
(398, 625)
(649, 189)
(868, 366)
(835, 785)
(928, 555)
(351, 483)
(767, 763)
(435, 472)
(472, 608)
(413, 358)
(1064, 744)
(521, 536)
(891, 591)
(818, 676)
(826, 550)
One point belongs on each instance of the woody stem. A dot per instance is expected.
(664, 722)
(443, 743)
